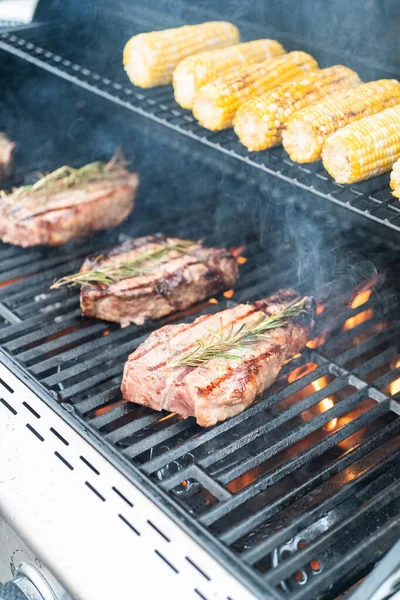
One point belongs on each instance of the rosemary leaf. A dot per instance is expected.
(226, 344)
(115, 272)
(64, 178)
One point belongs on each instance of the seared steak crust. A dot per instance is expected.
(6, 156)
(54, 218)
(174, 281)
(222, 387)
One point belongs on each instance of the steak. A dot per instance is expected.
(222, 386)
(56, 209)
(6, 156)
(173, 275)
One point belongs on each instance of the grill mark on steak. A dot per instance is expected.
(54, 217)
(221, 387)
(176, 279)
(74, 207)
(163, 284)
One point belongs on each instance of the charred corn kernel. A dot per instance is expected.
(304, 134)
(259, 122)
(197, 70)
(365, 148)
(150, 58)
(216, 103)
(395, 179)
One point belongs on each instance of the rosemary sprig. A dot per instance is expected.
(123, 270)
(64, 178)
(227, 344)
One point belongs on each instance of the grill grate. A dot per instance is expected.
(293, 485)
(49, 48)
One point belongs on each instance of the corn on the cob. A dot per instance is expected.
(259, 122)
(150, 58)
(365, 148)
(395, 179)
(197, 70)
(216, 103)
(305, 132)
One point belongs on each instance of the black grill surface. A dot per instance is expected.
(92, 60)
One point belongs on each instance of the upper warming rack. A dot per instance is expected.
(48, 47)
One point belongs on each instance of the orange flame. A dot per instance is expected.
(166, 417)
(301, 371)
(316, 342)
(241, 260)
(361, 298)
(238, 251)
(229, 293)
(104, 409)
(10, 281)
(213, 301)
(326, 403)
(316, 385)
(320, 308)
(359, 318)
(395, 385)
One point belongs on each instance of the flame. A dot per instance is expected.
(229, 293)
(395, 385)
(106, 332)
(301, 371)
(320, 308)
(359, 318)
(316, 342)
(104, 409)
(166, 417)
(361, 298)
(10, 281)
(316, 385)
(244, 480)
(238, 251)
(326, 403)
(213, 301)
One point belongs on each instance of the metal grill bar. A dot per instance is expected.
(323, 419)
(262, 483)
(255, 554)
(241, 529)
(385, 497)
(285, 416)
(366, 554)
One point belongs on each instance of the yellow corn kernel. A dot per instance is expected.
(216, 102)
(395, 179)
(195, 71)
(259, 122)
(365, 148)
(304, 134)
(150, 58)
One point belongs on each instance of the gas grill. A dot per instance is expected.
(297, 497)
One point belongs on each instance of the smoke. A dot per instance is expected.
(188, 189)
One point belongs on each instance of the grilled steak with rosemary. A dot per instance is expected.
(215, 367)
(149, 277)
(6, 156)
(68, 203)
